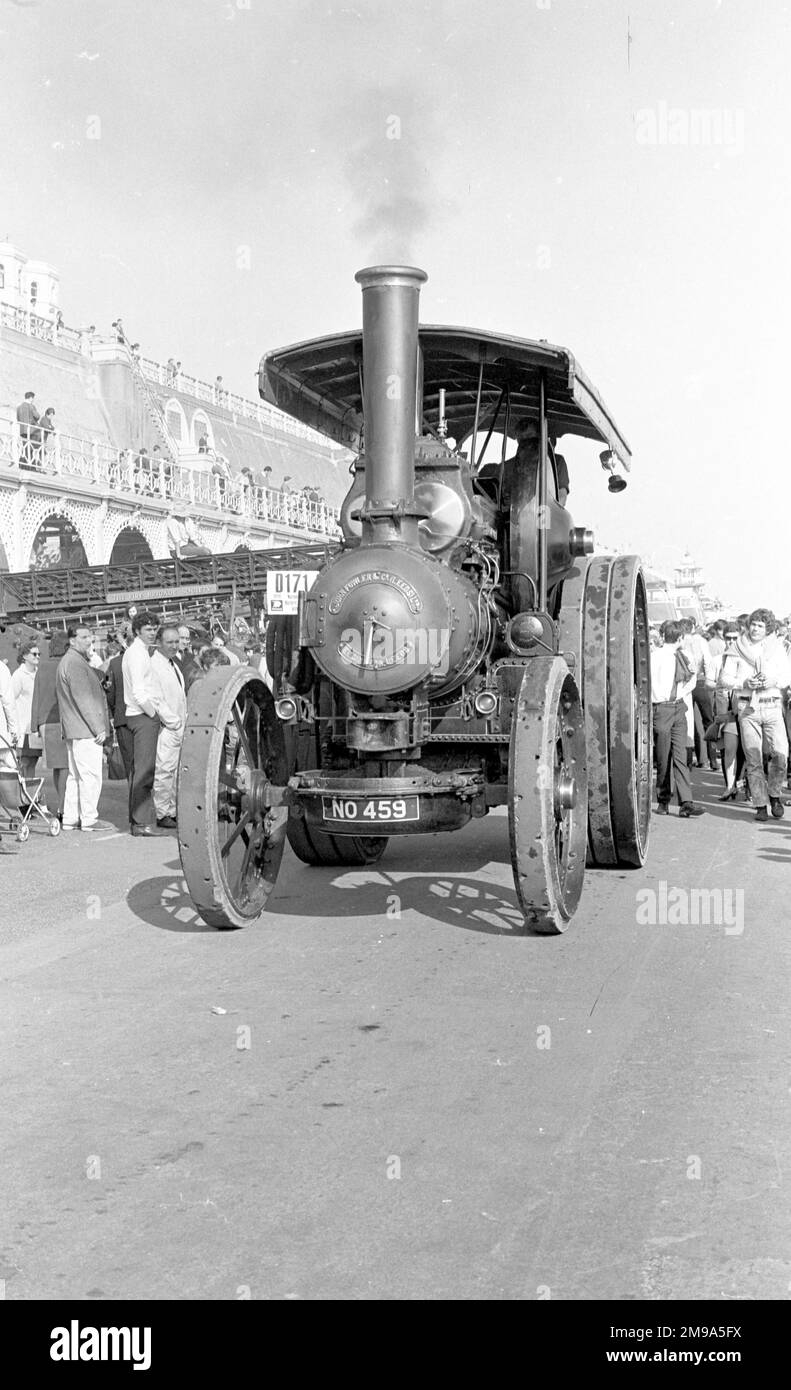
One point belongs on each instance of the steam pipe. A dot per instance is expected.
(390, 348)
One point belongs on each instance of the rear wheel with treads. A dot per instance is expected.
(604, 617)
(595, 660)
(629, 704)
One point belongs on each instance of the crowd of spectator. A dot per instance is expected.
(152, 473)
(722, 698)
(147, 473)
(117, 710)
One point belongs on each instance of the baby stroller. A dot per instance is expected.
(20, 797)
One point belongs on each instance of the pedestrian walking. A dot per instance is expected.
(47, 432)
(170, 687)
(8, 726)
(219, 645)
(716, 637)
(29, 434)
(8, 738)
(114, 693)
(143, 721)
(45, 718)
(86, 727)
(726, 674)
(761, 720)
(672, 679)
(185, 656)
(209, 657)
(22, 683)
(698, 653)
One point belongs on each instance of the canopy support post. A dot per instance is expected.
(479, 393)
(541, 499)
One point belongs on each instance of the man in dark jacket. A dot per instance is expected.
(86, 726)
(29, 434)
(114, 690)
(45, 716)
(184, 656)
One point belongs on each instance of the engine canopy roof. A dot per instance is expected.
(318, 382)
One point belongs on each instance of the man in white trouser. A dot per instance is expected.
(761, 721)
(171, 702)
(85, 720)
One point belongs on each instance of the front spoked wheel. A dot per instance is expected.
(548, 795)
(231, 836)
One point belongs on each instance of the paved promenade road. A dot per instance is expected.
(380, 1091)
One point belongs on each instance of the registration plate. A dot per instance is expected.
(365, 810)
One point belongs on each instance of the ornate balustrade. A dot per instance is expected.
(36, 326)
(64, 456)
(260, 411)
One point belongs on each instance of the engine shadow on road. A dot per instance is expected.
(475, 902)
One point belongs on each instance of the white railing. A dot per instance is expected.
(259, 411)
(36, 326)
(80, 340)
(65, 456)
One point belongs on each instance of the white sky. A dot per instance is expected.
(523, 141)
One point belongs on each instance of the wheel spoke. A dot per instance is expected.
(250, 844)
(235, 833)
(238, 719)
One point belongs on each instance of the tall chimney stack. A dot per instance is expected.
(390, 345)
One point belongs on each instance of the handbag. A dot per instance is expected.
(116, 772)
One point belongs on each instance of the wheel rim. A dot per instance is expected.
(629, 699)
(230, 841)
(595, 661)
(548, 795)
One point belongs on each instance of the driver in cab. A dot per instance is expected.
(526, 460)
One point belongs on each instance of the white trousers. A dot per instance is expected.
(84, 782)
(168, 749)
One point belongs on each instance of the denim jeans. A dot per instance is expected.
(762, 727)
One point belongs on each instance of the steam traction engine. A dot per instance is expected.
(460, 649)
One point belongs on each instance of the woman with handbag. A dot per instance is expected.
(726, 674)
